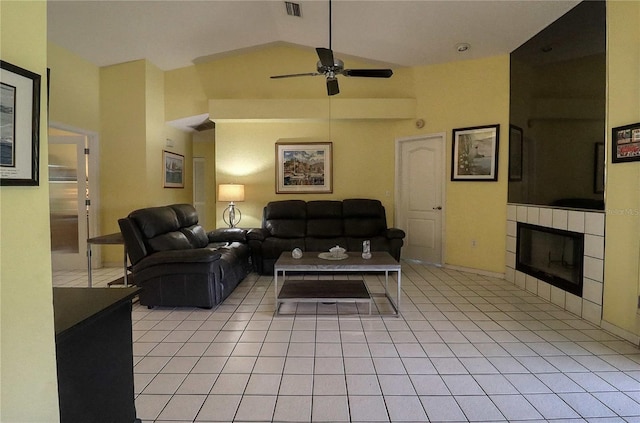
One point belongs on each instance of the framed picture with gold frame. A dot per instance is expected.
(304, 168)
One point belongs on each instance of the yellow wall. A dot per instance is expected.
(363, 160)
(123, 157)
(184, 94)
(28, 387)
(75, 90)
(133, 136)
(465, 94)
(622, 278)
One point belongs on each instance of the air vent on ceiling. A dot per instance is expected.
(293, 9)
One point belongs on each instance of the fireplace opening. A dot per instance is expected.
(552, 255)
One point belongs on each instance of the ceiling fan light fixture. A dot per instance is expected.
(463, 47)
(330, 67)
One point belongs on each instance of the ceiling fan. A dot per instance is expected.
(331, 67)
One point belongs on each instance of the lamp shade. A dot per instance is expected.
(230, 192)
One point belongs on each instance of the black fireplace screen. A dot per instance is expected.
(552, 255)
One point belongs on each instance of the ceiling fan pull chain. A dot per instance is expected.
(330, 19)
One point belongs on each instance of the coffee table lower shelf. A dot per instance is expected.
(318, 291)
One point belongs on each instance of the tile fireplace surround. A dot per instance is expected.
(589, 223)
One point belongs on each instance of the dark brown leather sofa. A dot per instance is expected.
(177, 263)
(320, 225)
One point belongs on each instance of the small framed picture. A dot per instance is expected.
(19, 125)
(475, 153)
(625, 143)
(515, 153)
(173, 169)
(304, 168)
(598, 168)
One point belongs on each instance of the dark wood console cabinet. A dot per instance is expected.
(94, 352)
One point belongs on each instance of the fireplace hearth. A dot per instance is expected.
(552, 255)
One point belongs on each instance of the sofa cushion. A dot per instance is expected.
(196, 235)
(363, 218)
(155, 221)
(186, 214)
(286, 219)
(174, 240)
(324, 219)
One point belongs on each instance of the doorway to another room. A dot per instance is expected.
(72, 190)
(420, 196)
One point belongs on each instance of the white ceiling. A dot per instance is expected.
(177, 33)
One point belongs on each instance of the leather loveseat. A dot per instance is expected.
(177, 263)
(320, 225)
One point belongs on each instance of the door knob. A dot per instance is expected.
(438, 208)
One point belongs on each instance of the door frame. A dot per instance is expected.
(442, 136)
(94, 184)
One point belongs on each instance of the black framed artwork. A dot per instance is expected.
(475, 153)
(19, 125)
(625, 143)
(515, 153)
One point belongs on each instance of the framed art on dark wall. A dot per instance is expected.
(515, 153)
(475, 153)
(19, 125)
(625, 143)
(598, 168)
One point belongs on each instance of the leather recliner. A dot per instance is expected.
(177, 263)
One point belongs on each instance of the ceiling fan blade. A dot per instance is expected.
(326, 56)
(332, 86)
(295, 75)
(368, 73)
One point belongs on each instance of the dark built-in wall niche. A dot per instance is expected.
(557, 100)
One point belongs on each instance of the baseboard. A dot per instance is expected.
(475, 271)
(422, 262)
(622, 333)
(111, 264)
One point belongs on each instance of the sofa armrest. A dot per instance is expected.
(257, 234)
(197, 255)
(228, 235)
(395, 233)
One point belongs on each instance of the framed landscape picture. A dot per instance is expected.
(173, 169)
(19, 125)
(626, 143)
(475, 153)
(304, 167)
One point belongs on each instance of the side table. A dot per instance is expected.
(111, 239)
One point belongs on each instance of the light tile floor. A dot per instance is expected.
(467, 348)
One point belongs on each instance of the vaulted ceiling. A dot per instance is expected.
(178, 33)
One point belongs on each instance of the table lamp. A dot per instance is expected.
(231, 193)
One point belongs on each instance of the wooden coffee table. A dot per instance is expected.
(333, 290)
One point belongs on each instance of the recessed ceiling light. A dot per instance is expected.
(462, 47)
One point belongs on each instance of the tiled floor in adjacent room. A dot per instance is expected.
(467, 348)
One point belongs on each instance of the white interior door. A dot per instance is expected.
(420, 196)
(199, 190)
(68, 190)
